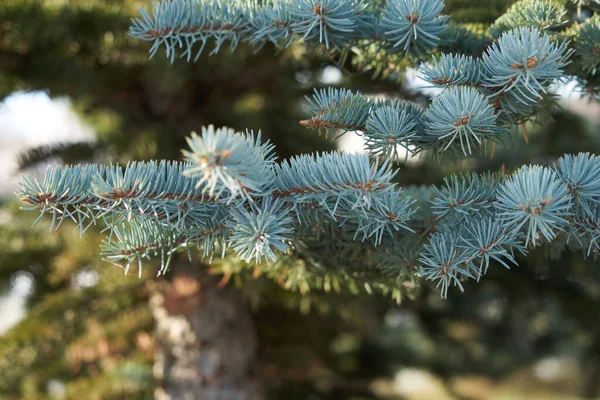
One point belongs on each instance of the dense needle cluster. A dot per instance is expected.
(295, 217)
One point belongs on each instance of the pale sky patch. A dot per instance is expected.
(33, 119)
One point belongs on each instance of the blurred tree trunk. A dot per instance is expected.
(205, 340)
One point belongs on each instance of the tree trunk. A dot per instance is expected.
(205, 340)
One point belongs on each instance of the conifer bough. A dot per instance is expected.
(296, 219)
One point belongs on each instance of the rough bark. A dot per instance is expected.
(205, 340)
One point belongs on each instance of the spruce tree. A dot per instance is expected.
(231, 195)
(341, 222)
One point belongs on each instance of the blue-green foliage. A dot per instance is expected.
(154, 209)
(464, 249)
(523, 63)
(382, 29)
(257, 231)
(467, 195)
(450, 70)
(297, 217)
(231, 194)
(227, 162)
(461, 117)
(413, 24)
(337, 110)
(491, 217)
(582, 176)
(345, 189)
(387, 128)
(273, 24)
(415, 111)
(332, 22)
(386, 124)
(534, 200)
(185, 26)
(189, 24)
(482, 97)
(71, 187)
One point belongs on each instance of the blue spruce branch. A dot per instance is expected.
(155, 209)
(294, 219)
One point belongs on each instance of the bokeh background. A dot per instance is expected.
(74, 87)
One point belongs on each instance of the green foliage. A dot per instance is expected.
(79, 335)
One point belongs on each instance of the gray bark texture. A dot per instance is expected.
(205, 340)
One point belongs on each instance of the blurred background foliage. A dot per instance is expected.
(528, 333)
